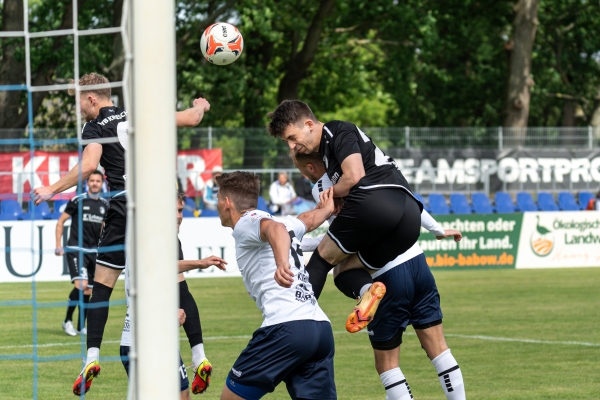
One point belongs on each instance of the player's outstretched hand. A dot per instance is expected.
(59, 251)
(213, 260)
(201, 103)
(284, 275)
(181, 316)
(457, 235)
(42, 193)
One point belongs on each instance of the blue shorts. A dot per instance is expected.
(299, 353)
(185, 383)
(411, 298)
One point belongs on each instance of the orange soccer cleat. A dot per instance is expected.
(88, 374)
(365, 309)
(202, 377)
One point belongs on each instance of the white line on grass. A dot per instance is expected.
(477, 337)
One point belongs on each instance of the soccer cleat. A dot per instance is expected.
(202, 377)
(89, 372)
(83, 331)
(69, 328)
(365, 309)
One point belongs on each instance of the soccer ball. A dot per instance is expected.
(221, 43)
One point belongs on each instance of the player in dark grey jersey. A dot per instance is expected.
(81, 249)
(105, 120)
(380, 217)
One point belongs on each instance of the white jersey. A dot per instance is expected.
(256, 263)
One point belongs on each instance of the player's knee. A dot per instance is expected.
(107, 276)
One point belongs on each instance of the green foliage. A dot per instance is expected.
(377, 63)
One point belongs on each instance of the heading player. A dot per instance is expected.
(82, 259)
(295, 342)
(380, 217)
(412, 298)
(106, 121)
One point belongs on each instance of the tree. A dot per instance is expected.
(520, 80)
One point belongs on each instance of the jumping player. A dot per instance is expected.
(380, 217)
(295, 342)
(82, 266)
(412, 298)
(105, 120)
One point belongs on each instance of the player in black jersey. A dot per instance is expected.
(81, 257)
(380, 217)
(106, 121)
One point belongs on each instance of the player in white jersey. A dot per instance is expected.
(412, 298)
(295, 342)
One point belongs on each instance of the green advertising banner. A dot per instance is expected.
(489, 241)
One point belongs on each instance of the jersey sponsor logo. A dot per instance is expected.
(112, 118)
(236, 372)
(335, 178)
(93, 218)
(303, 293)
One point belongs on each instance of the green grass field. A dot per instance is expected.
(517, 334)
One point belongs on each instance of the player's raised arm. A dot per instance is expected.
(90, 158)
(353, 170)
(278, 237)
(314, 218)
(193, 115)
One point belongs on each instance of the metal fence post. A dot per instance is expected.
(590, 137)
(500, 138)
(210, 137)
(407, 137)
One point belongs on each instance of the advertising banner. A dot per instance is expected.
(21, 172)
(28, 249)
(522, 169)
(560, 239)
(489, 241)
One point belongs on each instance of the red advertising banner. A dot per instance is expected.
(21, 172)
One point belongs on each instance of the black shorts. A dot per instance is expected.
(84, 270)
(111, 247)
(378, 224)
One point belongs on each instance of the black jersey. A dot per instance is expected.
(341, 139)
(92, 215)
(180, 250)
(110, 123)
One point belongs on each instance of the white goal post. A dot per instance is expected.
(152, 232)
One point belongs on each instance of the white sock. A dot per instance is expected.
(93, 353)
(365, 288)
(450, 375)
(396, 387)
(198, 355)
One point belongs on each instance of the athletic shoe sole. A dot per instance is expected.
(365, 309)
(90, 374)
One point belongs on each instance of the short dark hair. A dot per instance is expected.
(241, 187)
(97, 172)
(180, 197)
(287, 113)
(310, 158)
